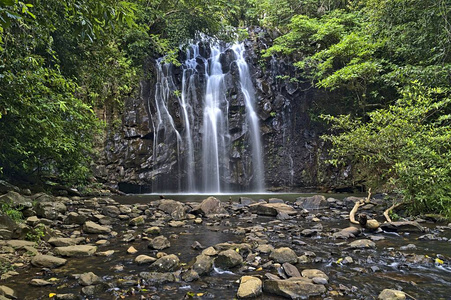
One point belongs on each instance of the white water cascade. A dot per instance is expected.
(191, 134)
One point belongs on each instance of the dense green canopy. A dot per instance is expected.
(388, 60)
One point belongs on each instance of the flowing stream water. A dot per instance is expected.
(423, 272)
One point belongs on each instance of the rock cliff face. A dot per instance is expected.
(144, 155)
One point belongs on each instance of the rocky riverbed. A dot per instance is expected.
(98, 248)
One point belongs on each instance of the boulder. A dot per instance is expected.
(228, 259)
(7, 227)
(78, 250)
(190, 275)
(20, 244)
(154, 230)
(362, 244)
(50, 210)
(246, 201)
(272, 209)
(6, 187)
(61, 242)
(175, 209)
(210, 206)
(144, 259)
(294, 288)
(40, 282)
(389, 294)
(203, 264)
(138, 221)
(89, 279)
(348, 232)
(47, 261)
(91, 227)
(157, 277)
(349, 202)
(291, 270)
(312, 273)
(159, 243)
(16, 200)
(250, 287)
(283, 255)
(166, 263)
(312, 203)
(403, 226)
(74, 218)
(8, 292)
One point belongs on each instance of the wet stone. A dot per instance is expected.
(40, 282)
(166, 263)
(7, 292)
(159, 243)
(78, 250)
(294, 288)
(89, 279)
(203, 264)
(61, 242)
(250, 287)
(144, 259)
(47, 261)
(190, 275)
(283, 255)
(389, 294)
(157, 277)
(312, 273)
(153, 230)
(362, 244)
(228, 259)
(91, 227)
(291, 270)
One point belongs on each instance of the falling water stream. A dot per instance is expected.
(203, 138)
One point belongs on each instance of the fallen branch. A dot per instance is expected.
(356, 207)
(388, 210)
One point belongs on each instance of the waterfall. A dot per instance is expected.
(193, 140)
(247, 89)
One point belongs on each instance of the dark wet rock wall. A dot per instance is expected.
(294, 155)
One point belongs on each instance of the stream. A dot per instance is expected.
(422, 270)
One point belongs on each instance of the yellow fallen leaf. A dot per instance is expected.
(339, 261)
(439, 261)
(51, 295)
(259, 269)
(200, 294)
(237, 249)
(53, 279)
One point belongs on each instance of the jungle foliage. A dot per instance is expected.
(390, 62)
(387, 64)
